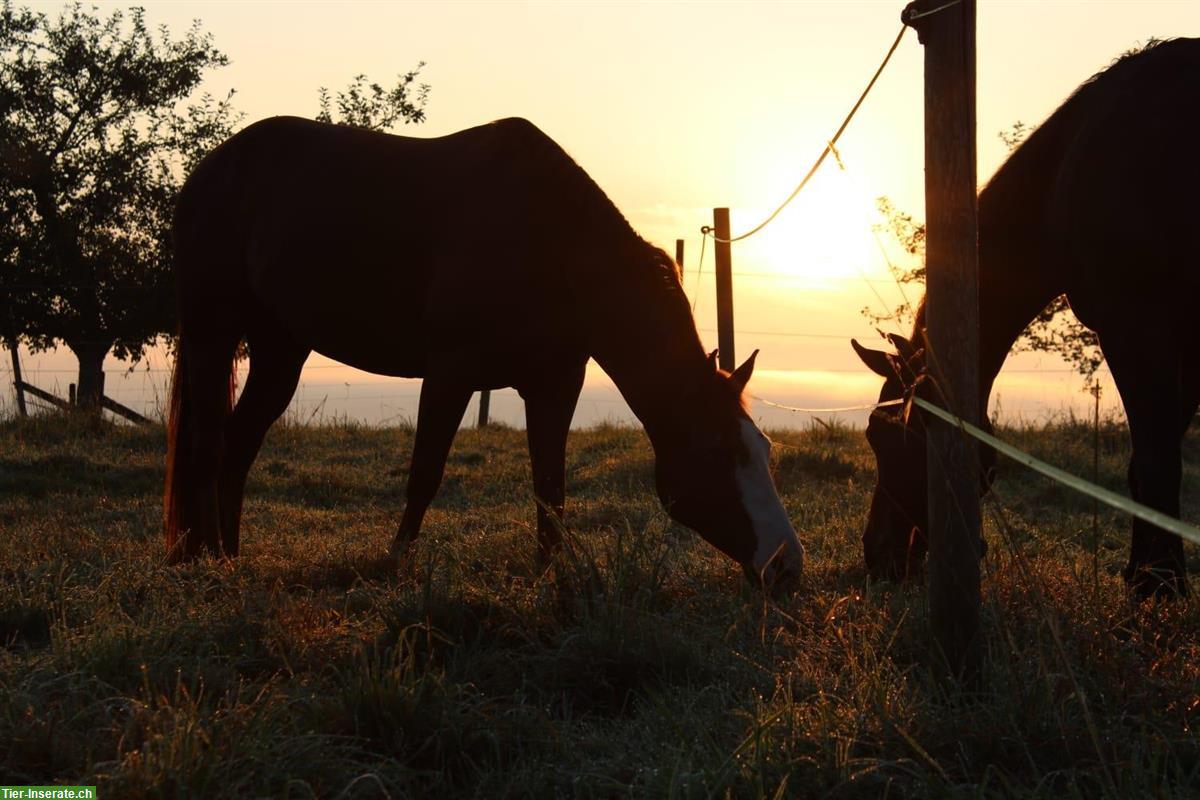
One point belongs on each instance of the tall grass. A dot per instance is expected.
(641, 666)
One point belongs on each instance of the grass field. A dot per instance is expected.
(643, 668)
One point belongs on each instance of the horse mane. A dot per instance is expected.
(668, 272)
(648, 271)
(593, 204)
(1026, 164)
(1123, 65)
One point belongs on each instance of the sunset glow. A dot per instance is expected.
(824, 237)
(675, 109)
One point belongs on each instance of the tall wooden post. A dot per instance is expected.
(952, 324)
(485, 404)
(679, 256)
(724, 271)
(18, 382)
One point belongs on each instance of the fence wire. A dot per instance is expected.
(829, 148)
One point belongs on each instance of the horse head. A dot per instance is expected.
(894, 539)
(714, 477)
(894, 542)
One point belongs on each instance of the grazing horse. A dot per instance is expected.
(1100, 203)
(478, 260)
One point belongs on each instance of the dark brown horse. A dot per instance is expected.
(1100, 203)
(482, 259)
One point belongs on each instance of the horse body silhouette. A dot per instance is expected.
(1099, 204)
(481, 259)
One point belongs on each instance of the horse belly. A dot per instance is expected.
(413, 320)
(366, 335)
(362, 312)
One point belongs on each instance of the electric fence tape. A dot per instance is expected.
(1120, 502)
(864, 407)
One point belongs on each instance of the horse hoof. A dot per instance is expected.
(400, 554)
(1158, 584)
(544, 562)
(901, 569)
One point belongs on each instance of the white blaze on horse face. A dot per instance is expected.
(778, 550)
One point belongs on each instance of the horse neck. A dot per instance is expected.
(657, 399)
(1019, 269)
(647, 342)
(1012, 292)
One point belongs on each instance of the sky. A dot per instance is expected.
(675, 108)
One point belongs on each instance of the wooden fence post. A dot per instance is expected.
(724, 270)
(952, 325)
(18, 382)
(679, 257)
(485, 403)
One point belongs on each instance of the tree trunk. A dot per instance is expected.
(91, 375)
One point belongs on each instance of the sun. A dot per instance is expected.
(824, 234)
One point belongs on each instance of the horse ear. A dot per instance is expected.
(876, 360)
(903, 346)
(712, 359)
(741, 375)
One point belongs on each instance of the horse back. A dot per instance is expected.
(1124, 194)
(348, 236)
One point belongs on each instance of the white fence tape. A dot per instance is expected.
(1177, 527)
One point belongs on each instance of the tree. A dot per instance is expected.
(95, 136)
(370, 106)
(1055, 330)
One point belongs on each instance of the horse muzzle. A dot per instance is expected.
(781, 575)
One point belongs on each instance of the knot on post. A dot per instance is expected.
(919, 10)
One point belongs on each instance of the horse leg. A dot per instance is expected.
(549, 407)
(275, 365)
(439, 414)
(1146, 369)
(1189, 380)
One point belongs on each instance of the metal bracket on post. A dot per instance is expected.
(918, 10)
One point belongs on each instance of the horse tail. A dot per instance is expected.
(209, 277)
(202, 394)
